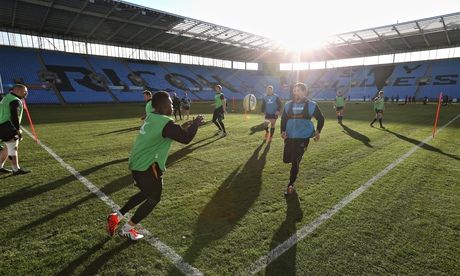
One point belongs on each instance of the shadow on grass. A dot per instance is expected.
(29, 192)
(256, 128)
(110, 188)
(183, 152)
(424, 146)
(121, 131)
(229, 204)
(356, 135)
(285, 263)
(93, 268)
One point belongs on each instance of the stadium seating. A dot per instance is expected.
(154, 75)
(91, 79)
(443, 76)
(24, 65)
(403, 80)
(117, 79)
(75, 83)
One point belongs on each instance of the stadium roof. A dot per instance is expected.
(122, 23)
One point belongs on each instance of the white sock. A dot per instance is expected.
(127, 227)
(119, 215)
(15, 167)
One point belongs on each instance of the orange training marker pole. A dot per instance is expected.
(437, 114)
(30, 120)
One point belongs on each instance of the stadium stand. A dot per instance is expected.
(274, 81)
(206, 79)
(116, 79)
(403, 81)
(184, 76)
(443, 76)
(154, 75)
(23, 67)
(363, 85)
(322, 88)
(75, 83)
(91, 79)
(228, 79)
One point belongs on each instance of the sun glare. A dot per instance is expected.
(293, 41)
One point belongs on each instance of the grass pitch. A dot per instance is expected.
(223, 207)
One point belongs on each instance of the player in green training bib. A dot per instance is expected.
(147, 162)
(11, 111)
(220, 105)
(339, 105)
(148, 106)
(379, 105)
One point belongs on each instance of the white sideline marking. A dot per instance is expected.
(167, 251)
(302, 233)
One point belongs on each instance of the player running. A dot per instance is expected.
(147, 162)
(379, 105)
(297, 129)
(271, 106)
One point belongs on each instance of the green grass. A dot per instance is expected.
(223, 206)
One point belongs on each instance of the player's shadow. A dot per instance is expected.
(256, 128)
(121, 131)
(356, 135)
(31, 191)
(184, 152)
(73, 205)
(229, 204)
(285, 263)
(94, 267)
(424, 146)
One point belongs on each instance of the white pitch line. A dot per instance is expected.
(302, 233)
(167, 251)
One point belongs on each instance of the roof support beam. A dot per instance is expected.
(367, 44)
(14, 13)
(384, 40)
(349, 44)
(75, 18)
(445, 31)
(102, 21)
(46, 16)
(123, 25)
(183, 32)
(144, 28)
(402, 37)
(423, 35)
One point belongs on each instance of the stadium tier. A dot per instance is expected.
(55, 78)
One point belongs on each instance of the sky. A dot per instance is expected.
(303, 21)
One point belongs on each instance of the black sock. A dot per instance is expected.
(272, 130)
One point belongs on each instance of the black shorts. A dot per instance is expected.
(7, 132)
(294, 148)
(377, 111)
(271, 116)
(150, 182)
(186, 107)
(218, 114)
(338, 108)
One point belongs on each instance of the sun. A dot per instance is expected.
(300, 42)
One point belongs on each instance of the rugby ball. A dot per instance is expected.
(249, 102)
